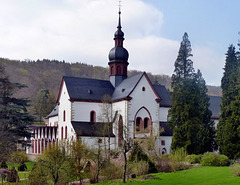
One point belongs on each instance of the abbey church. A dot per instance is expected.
(132, 107)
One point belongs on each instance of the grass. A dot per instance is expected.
(194, 176)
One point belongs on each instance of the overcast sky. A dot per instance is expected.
(82, 31)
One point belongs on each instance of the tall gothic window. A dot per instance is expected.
(146, 120)
(138, 124)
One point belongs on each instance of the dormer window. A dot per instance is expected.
(90, 92)
(143, 89)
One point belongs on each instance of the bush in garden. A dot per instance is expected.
(112, 171)
(17, 157)
(138, 168)
(214, 159)
(178, 160)
(235, 169)
(22, 167)
(3, 164)
(163, 163)
(223, 160)
(193, 159)
(137, 155)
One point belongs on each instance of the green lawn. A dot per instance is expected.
(194, 176)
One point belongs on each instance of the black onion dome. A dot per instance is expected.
(118, 54)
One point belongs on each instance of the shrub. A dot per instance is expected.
(112, 171)
(13, 176)
(193, 159)
(178, 160)
(38, 175)
(223, 160)
(138, 168)
(22, 167)
(235, 169)
(3, 164)
(163, 163)
(17, 157)
(214, 159)
(137, 155)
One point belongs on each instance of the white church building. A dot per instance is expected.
(136, 108)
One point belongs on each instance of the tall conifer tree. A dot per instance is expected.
(189, 110)
(14, 117)
(228, 137)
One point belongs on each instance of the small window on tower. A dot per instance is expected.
(143, 89)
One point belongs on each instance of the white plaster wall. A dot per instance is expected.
(81, 111)
(92, 142)
(121, 107)
(168, 141)
(64, 104)
(163, 113)
(53, 121)
(145, 99)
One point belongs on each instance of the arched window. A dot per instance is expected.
(138, 124)
(146, 120)
(164, 151)
(65, 132)
(64, 115)
(62, 133)
(92, 116)
(143, 89)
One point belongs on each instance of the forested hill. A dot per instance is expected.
(47, 74)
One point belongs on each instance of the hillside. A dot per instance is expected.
(47, 74)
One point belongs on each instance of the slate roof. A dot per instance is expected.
(164, 95)
(125, 88)
(90, 129)
(215, 106)
(53, 113)
(166, 131)
(87, 89)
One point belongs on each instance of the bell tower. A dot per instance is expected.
(118, 57)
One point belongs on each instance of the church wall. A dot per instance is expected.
(122, 108)
(92, 142)
(144, 97)
(163, 111)
(64, 115)
(81, 111)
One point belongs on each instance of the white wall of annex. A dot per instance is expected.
(167, 146)
(163, 111)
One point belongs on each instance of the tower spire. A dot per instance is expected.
(118, 56)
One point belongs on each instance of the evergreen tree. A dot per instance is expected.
(14, 117)
(189, 115)
(227, 136)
